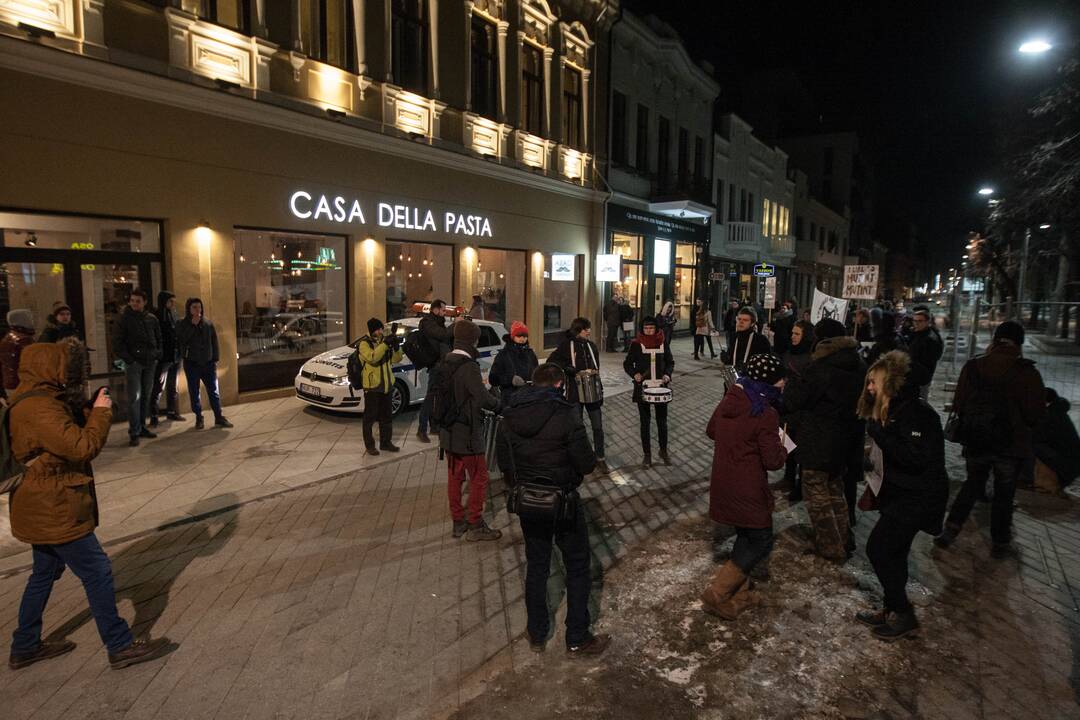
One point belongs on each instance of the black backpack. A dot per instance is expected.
(445, 410)
(354, 368)
(985, 425)
(419, 350)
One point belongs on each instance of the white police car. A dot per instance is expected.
(323, 380)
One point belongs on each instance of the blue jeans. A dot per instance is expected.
(206, 373)
(425, 412)
(140, 386)
(165, 383)
(91, 565)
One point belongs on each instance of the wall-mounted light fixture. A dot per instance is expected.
(31, 240)
(204, 233)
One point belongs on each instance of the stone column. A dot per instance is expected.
(548, 55)
(468, 46)
(534, 299)
(359, 8)
(297, 26)
(433, 38)
(503, 29)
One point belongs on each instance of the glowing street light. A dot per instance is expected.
(986, 191)
(1035, 47)
(1044, 226)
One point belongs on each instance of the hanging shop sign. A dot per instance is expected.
(609, 268)
(765, 270)
(860, 282)
(562, 267)
(661, 257)
(770, 293)
(641, 222)
(338, 209)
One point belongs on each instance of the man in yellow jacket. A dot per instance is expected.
(378, 353)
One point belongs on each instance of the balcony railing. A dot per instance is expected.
(783, 244)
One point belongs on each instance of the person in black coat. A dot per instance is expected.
(440, 338)
(830, 434)
(795, 361)
(515, 363)
(782, 326)
(639, 366)
(746, 342)
(925, 349)
(543, 441)
(168, 365)
(578, 354)
(914, 488)
(1057, 445)
(137, 342)
(59, 324)
(883, 325)
(197, 342)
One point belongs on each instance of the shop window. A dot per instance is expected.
(629, 247)
(572, 108)
(685, 273)
(52, 232)
(532, 89)
(500, 283)
(409, 44)
(417, 273)
(560, 295)
(484, 68)
(290, 303)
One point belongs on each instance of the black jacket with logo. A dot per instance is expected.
(546, 439)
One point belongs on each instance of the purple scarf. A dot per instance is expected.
(761, 394)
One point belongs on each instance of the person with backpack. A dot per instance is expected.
(197, 340)
(577, 354)
(55, 434)
(999, 399)
(378, 354)
(515, 363)
(137, 342)
(425, 351)
(458, 400)
(543, 442)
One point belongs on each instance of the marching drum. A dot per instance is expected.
(653, 391)
(589, 387)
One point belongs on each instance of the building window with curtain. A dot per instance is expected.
(618, 128)
(233, 14)
(325, 31)
(409, 45)
(641, 153)
(572, 108)
(532, 88)
(484, 68)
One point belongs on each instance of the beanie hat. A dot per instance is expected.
(766, 368)
(59, 306)
(1008, 330)
(649, 320)
(374, 324)
(21, 318)
(517, 329)
(829, 328)
(466, 335)
(747, 310)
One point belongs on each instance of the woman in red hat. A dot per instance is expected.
(514, 365)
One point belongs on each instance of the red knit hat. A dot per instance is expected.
(518, 329)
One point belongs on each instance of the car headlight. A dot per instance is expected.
(341, 381)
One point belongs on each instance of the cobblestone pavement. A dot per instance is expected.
(348, 598)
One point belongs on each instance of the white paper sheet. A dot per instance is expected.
(787, 442)
(876, 475)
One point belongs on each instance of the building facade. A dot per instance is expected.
(658, 166)
(299, 166)
(821, 244)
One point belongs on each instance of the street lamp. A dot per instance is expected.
(986, 191)
(1035, 47)
(1044, 226)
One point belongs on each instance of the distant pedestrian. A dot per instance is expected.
(439, 339)
(730, 323)
(666, 320)
(747, 341)
(612, 322)
(378, 354)
(745, 430)
(626, 318)
(514, 365)
(543, 442)
(861, 329)
(168, 367)
(476, 312)
(914, 487)
(462, 439)
(20, 334)
(885, 339)
(57, 434)
(782, 325)
(925, 348)
(137, 342)
(703, 329)
(650, 363)
(1057, 446)
(796, 360)
(999, 399)
(579, 358)
(198, 343)
(59, 324)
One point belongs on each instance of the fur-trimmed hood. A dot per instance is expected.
(896, 365)
(828, 346)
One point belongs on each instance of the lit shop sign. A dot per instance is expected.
(661, 257)
(562, 267)
(337, 209)
(608, 268)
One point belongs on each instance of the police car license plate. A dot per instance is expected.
(310, 390)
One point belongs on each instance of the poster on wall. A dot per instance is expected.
(661, 257)
(770, 293)
(860, 282)
(609, 268)
(562, 267)
(828, 307)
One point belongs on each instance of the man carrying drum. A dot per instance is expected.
(650, 363)
(579, 358)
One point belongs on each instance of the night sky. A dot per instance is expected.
(935, 91)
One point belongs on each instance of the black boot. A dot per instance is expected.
(647, 462)
(896, 626)
(664, 456)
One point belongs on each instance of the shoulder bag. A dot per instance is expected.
(538, 498)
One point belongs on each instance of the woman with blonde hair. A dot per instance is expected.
(914, 487)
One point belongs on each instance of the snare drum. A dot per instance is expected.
(654, 392)
(589, 387)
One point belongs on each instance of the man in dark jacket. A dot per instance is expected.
(782, 325)
(543, 441)
(1057, 445)
(463, 440)
(433, 327)
(137, 341)
(883, 325)
(613, 323)
(576, 354)
(747, 340)
(1004, 372)
(169, 364)
(198, 344)
(826, 396)
(925, 349)
(20, 334)
(730, 322)
(59, 324)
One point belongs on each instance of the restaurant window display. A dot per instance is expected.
(562, 291)
(290, 303)
(500, 283)
(417, 273)
(629, 247)
(685, 272)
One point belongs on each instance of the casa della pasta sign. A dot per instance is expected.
(338, 209)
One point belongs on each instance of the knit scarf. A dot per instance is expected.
(761, 394)
(651, 341)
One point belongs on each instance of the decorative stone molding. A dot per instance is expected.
(218, 53)
(575, 44)
(484, 136)
(532, 151)
(536, 21)
(76, 20)
(573, 164)
(331, 87)
(492, 9)
(410, 112)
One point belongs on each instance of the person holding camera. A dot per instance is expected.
(56, 434)
(378, 352)
(543, 442)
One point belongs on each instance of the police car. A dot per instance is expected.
(323, 380)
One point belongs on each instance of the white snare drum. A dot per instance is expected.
(654, 392)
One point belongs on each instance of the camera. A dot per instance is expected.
(391, 336)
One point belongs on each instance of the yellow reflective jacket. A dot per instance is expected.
(378, 372)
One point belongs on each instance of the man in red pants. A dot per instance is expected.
(461, 435)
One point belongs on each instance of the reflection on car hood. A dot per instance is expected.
(336, 359)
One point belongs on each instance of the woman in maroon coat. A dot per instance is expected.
(745, 429)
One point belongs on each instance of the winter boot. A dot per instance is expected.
(647, 462)
(481, 532)
(460, 527)
(601, 467)
(723, 585)
(872, 618)
(948, 536)
(897, 625)
(740, 600)
(664, 456)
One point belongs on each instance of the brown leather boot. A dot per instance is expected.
(740, 600)
(724, 583)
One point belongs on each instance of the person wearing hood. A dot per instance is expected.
(56, 434)
(745, 430)
(20, 334)
(197, 341)
(463, 439)
(137, 342)
(514, 364)
(543, 440)
(861, 329)
(1002, 394)
(378, 354)
(613, 322)
(439, 339)
(747, 340)
(782, 325)
(825, 398)
(885, 339)
(666, 321)
(169, 365)
(59, 324)
(795, 361)
(914, 487)
(577, 355)
(1057, 446)
(650, 358)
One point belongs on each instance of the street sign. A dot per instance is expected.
(860, 282)
(764, 270)
(770, 293)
